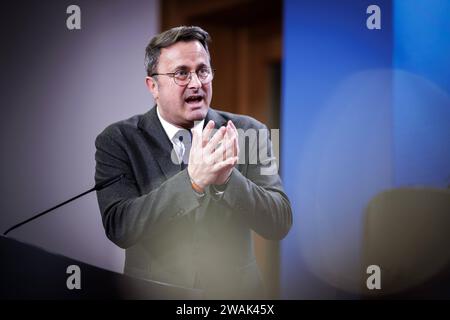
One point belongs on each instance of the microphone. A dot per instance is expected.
(99, 186)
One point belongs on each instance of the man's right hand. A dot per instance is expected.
(210, 159)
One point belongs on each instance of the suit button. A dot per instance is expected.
(180, 212)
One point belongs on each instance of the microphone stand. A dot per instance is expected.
(97, 187)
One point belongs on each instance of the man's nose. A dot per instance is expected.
(195, 81)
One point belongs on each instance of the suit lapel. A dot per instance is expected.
(161, 145)
(216, 117)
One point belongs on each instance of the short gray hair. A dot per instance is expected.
(168, 38)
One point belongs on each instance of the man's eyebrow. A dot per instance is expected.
(184, 67)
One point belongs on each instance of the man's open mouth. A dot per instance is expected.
(194, 99)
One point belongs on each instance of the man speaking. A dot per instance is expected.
(194, 183)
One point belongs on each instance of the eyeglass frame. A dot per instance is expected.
(172, 75)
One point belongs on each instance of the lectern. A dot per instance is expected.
(29, 272)
(407, 234)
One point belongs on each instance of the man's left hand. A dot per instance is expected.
(228, 149)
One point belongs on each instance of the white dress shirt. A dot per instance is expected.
(172, 130)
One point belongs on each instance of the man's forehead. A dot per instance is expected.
(183, 53)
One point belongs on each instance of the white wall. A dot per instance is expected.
(59, 89)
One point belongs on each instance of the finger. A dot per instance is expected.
(228, 142)
(215, 155)
(219, 154)
(236, 142)
(207, 132)
(196, 149)
(228, 163)
(236, 147)
(230, 145)
(231, 136)
(218, 137)
(224, 151)
(231, 130)
(233, 126)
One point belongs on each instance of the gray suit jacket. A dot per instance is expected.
(170, 233)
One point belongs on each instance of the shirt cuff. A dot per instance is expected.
(218, 190)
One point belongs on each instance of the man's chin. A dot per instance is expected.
(197, 114)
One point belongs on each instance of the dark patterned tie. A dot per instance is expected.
(185, 138)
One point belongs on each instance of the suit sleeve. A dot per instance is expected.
(126, 214)
(258, 195)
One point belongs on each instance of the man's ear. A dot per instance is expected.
(152, 86)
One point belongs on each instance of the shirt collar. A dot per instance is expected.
(171, 129)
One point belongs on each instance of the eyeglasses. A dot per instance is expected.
(183, 77)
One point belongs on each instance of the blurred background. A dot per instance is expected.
(364, 119)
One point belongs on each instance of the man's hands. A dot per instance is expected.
(211, 161)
